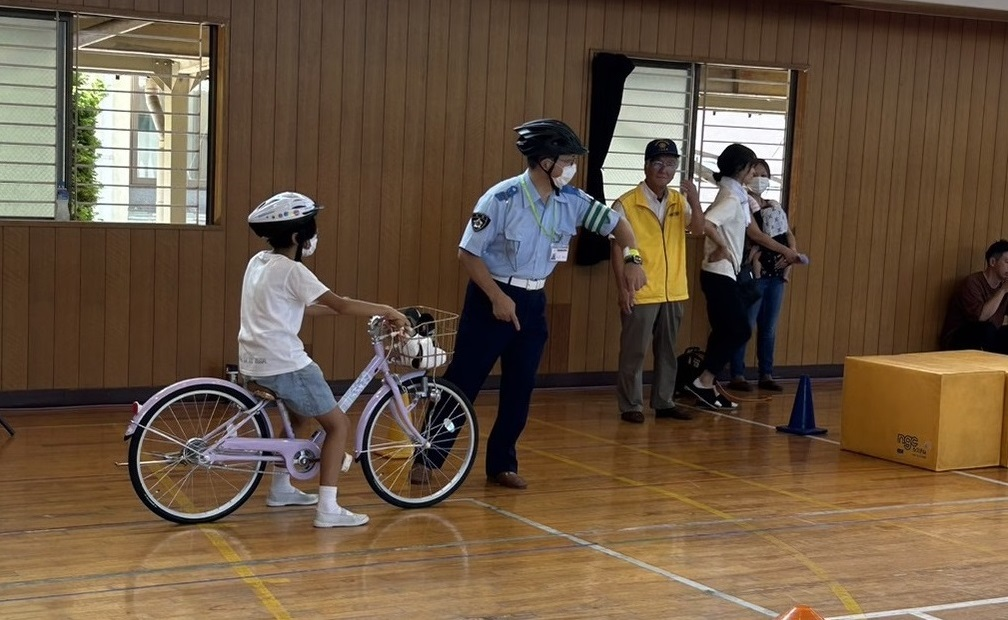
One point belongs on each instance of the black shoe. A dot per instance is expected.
(634, 417)
(672, 412)
(710, 398)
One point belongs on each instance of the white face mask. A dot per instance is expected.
(759, 184)
(565, 176)
(309, 247)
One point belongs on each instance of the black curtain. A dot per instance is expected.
(609, 74)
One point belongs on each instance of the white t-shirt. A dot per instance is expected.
(275, 292)
(730, 214)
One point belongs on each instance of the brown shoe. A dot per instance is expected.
(770, 385)
(634, 417)
(739, 384)
(508, 479)
(674, 413)
(419, 474)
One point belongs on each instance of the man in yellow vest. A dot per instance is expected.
(659, 216)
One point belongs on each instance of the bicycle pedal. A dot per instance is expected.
(347, 462)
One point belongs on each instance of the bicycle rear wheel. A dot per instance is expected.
(168, 463)
(404, 472)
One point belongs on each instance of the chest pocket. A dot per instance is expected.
(519, 242)
(565, 230)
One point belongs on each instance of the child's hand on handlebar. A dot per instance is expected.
(396, 318)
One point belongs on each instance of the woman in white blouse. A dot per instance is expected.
(723, 257)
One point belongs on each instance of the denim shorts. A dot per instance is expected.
(305, 391)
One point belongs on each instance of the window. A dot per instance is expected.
(704, 108)
(30, 97)
(117, 110)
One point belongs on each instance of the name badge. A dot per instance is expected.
(558, 253)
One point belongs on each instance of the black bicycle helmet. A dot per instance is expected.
(547, 138)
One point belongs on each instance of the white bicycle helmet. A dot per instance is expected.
(280, 213)
(285, 214)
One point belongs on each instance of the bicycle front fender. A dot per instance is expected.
(140, 410)
(373, 402)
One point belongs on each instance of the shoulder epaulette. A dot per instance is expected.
(507, 193)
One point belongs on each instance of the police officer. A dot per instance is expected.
(519, 231)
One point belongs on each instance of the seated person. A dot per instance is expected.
(976, 312)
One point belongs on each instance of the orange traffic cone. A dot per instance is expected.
(801, 612)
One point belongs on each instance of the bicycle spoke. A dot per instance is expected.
(172, 452)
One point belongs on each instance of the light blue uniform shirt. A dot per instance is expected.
(517, 239)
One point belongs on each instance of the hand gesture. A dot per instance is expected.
(626, 300)
(633, 278)
(720, 253)
(504, 310)
(689, 190)
(791, 257)
(396, 318)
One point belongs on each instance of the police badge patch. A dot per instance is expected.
(480, 221)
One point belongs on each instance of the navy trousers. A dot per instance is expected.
(482, 340)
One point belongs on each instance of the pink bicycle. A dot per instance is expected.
(199, 448)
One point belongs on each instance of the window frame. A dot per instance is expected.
(66, 67)
(690, 150)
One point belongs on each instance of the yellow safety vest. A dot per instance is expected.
(662, 245)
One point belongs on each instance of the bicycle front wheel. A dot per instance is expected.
(410, 474)
(168, 455)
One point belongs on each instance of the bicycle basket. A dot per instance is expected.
(431, 343)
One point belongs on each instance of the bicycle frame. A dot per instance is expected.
(300, 456)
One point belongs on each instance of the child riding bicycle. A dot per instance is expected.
(276, 292)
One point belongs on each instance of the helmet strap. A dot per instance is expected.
(549, 175)
(300, 246)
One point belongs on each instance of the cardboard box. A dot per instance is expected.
(983, 359)
(939, 411)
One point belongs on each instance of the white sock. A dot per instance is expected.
(281, 480)
(327, 499)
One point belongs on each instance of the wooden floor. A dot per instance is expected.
(718, 517)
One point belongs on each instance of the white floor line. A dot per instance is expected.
(924, 616)
(755, 423)
(888, 507)
(832, 441)
(916, 611)
(628, 559)
(966, 474)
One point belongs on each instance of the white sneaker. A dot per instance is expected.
(341, 518)
(292, 497)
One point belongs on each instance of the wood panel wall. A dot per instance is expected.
(397, 114)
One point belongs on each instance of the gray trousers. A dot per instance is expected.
(648, 324)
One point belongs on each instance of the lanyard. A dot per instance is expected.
(549, 232)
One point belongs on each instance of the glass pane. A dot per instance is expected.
(153, 84)
(28, 110)
(656, 104)
(746, 105)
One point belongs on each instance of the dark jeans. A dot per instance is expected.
(481, 341)
(763, 317)
(727, 317)
(982, 335)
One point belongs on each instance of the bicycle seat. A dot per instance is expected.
(260, 391)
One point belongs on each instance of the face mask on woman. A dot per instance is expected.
(759, 184)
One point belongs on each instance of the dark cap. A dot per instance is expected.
(659, 148)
